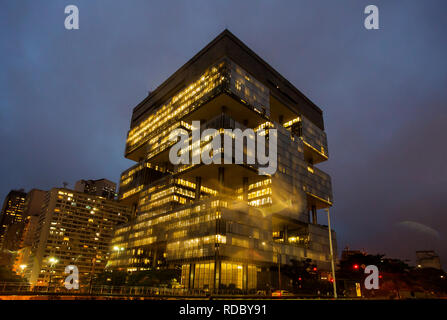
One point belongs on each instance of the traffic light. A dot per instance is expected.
(356, 267)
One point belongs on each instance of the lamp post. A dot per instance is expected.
(53, 262)
(91, 275)
(22, 269)
(279, 269)
(332, 253)
(278, 257)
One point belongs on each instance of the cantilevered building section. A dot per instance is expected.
(225, 225)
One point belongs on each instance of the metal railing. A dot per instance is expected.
(101, 290)
(108, 291)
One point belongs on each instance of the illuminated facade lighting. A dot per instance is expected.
(222, 224)
(68, 234)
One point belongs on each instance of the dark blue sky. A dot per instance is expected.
(66, 96)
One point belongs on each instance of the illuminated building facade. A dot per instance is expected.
(224, 225)
(12, 219)
(74, 228)
(33, 205)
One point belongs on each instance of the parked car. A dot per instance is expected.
(281, 293)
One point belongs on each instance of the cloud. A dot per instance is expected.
(66, 97)
(419, 227)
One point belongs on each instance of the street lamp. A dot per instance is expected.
(53, 261)
(91, 275)
(278, 257)
(22, 269)
(332, 253)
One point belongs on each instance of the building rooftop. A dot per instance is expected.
(228, 45)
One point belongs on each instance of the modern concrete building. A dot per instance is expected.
(74, 228)
(34, 201)
(224, 225)
(101, 187)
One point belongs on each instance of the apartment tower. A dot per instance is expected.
(73, 228)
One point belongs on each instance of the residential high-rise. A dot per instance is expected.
(74, 228)
(225, 225)
(33, 205)
(101, 187)
(34, 201)
(11, 219)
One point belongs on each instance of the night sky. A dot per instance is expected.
(66, 97)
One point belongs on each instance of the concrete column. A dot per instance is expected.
(155, 257)
(198, 187)
(245, 277)
(134, 209)
(221, 179)
(216, 274)
(314, 215)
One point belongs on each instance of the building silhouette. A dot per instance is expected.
(12, 223)
(428, 259)
(101, 187)
(33, 205)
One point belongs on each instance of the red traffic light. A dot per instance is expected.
(315, 268)
(356, 266)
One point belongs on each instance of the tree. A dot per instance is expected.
(305, 277)
(7, 275)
